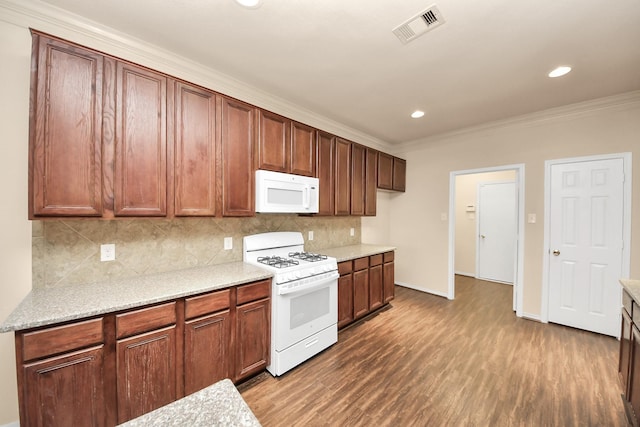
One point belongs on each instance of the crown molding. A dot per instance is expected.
(558, 114)
(57, 22)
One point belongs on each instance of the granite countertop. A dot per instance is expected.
(55, 305)
(633, 287)
(217, 405)
(346, 253)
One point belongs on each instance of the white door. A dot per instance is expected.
(497, 231)
(585, 238)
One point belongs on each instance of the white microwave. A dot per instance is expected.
(286, 193)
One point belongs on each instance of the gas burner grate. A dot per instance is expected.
(307, 256)
(277, 261)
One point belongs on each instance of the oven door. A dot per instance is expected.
(298, 315)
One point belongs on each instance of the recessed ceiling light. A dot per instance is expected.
(560, 71)
(417, 114)
(250, 4)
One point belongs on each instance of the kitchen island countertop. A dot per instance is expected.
(219, 404)
(346, 253)
(48, 306)
(633, 287)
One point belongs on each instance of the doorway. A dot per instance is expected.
(470, 213)
(587, 240)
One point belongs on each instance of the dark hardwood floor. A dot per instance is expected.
(427, 361)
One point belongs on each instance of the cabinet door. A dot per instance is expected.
(146, 373)
(237, 137)
(195, 151)
(376, 290)
(65, 131)
(370, 185)
(358, 178)
(360, 293)
(399, 174)
(253, 329)
(303, 149)
(345, 300)
(385, 171)
(343, 177)
(389, 281)
(140, 176)
(274, 142)
(634, 371)
(66, 390)
(326, 145)
(625, 352)
(206, 351)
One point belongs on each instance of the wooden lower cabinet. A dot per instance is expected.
(388, 274)
(65, 390)
(360, 292)
(108, 370)
(365, 284)
(376, 289)
(633, 394)
(629, 358)
(345, 294)
(146, 372)
(253, 329)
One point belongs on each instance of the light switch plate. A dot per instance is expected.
(531, 218)
(228, 243)
(310, 235)
(352, 232)
(108, 252)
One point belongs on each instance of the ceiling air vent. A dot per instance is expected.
(424, 21)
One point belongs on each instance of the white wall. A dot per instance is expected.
(15, 229)
(467, 195)
(602, 126)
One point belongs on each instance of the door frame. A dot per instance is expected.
(517, 285)
(478, 213)
(626, 219)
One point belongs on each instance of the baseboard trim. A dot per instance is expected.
(462, 273)
(13, 424)
(427, 291)
(530, 316)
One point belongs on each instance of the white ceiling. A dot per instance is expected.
(340, 59)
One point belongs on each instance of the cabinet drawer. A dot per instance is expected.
(146, 319)
(207, 303)
(345, 267)
(360, 263)
(375, 260)
(253, 291)
(635, 313)
(389, 256)
(627, 302)
(59, 339)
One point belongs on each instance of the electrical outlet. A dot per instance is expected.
(108, 252)
(228, 243)
(352, 232)
(311, 235)
(531, 218)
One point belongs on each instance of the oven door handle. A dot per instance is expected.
(284, 290)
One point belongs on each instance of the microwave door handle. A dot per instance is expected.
(306, 196)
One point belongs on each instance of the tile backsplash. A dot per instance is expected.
(67, 252)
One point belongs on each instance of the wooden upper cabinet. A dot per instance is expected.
(274, 142)
(65, 134)
(385, 171)
(237, 139)
(303, 150)
(195, 151)
(343, 177)
(358, 178)
(371, 180)
(326, 161)
(140, 175)
(399, 174)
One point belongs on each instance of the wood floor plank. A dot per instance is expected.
(428, 361)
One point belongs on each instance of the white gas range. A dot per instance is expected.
(304, 305)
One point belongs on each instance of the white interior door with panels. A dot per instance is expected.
(496, 241)
(586, 229)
